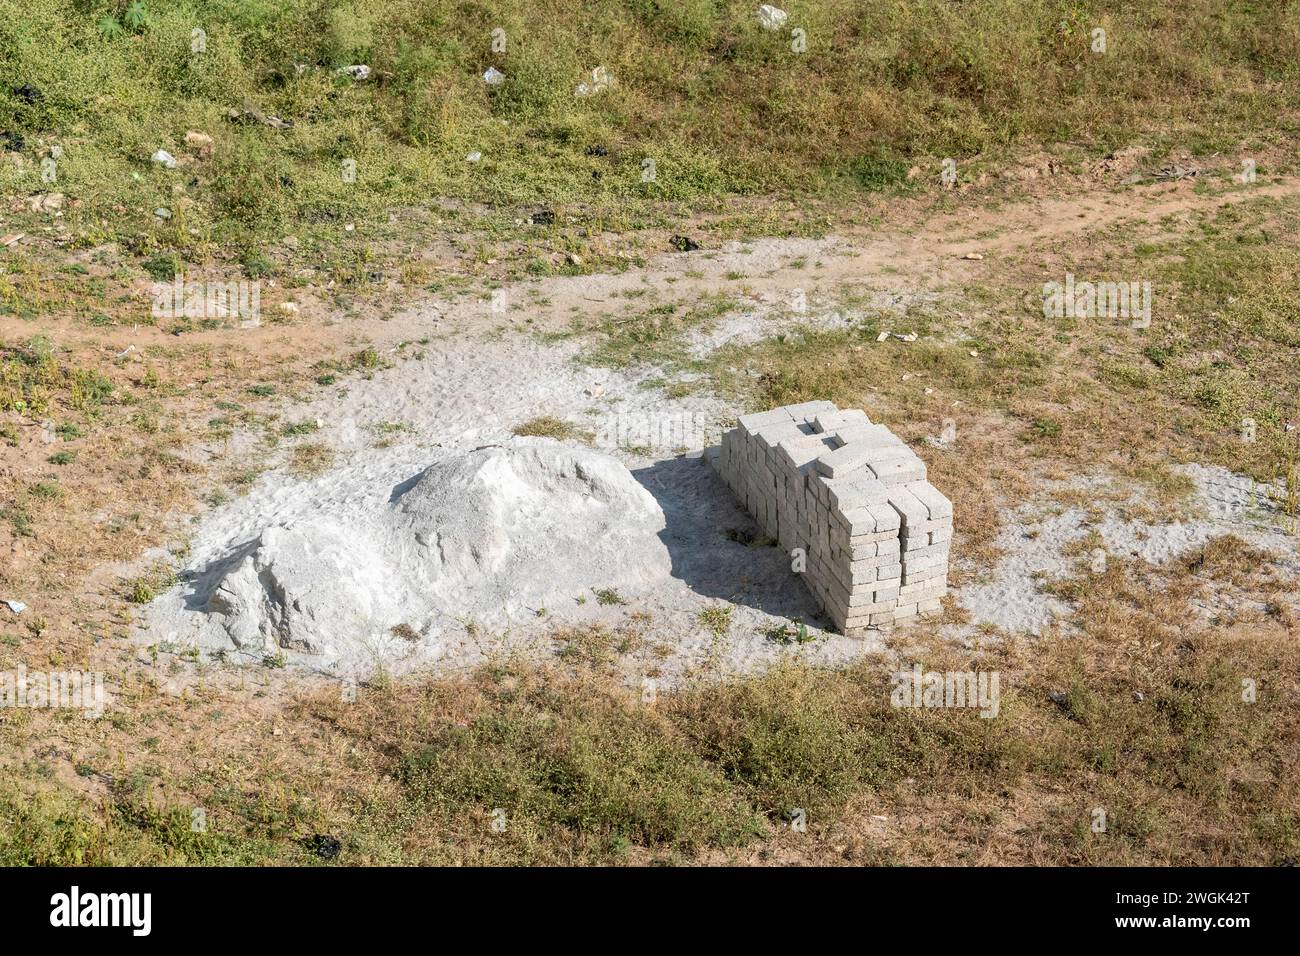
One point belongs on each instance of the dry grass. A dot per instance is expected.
(311, 459)
(548, 426)
(1139, 713)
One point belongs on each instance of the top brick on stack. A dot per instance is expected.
(854, 498)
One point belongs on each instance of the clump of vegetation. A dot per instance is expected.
(310, 459)
(297, 429)
(1045, 428)
(789, 632)
(608, 596)
(405, 632)
(143, 588)
(548, 426)
(716, 619)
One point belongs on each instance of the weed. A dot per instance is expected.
(716, 619)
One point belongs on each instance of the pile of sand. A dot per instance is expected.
(494, 535)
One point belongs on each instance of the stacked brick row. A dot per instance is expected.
(854, 498)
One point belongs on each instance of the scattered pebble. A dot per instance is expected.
(771, 17)
(599, 81)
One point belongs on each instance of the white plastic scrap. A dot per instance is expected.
(493, 77)
(474, 157)
(16, 606)
(358, 71)
(600, 81)
(771, 17)
(164, 157)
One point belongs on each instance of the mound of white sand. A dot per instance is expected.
(492, 535)
(311, 586)
(514, 526)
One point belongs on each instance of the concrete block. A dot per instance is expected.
(752, 423)
(898, 471)
(934, 500)
(844, 460)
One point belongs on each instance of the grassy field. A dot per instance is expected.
(1134, 706)
(721, 106)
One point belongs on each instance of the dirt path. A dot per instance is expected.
(927, 257)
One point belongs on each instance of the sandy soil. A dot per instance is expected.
(1036, 539)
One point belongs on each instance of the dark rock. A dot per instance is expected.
(324, 846)
(544, 218)
(28, 94)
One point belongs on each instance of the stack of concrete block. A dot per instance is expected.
(875, 535)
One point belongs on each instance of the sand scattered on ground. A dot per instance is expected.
(1036, 537)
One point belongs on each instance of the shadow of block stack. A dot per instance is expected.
(854, 498)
